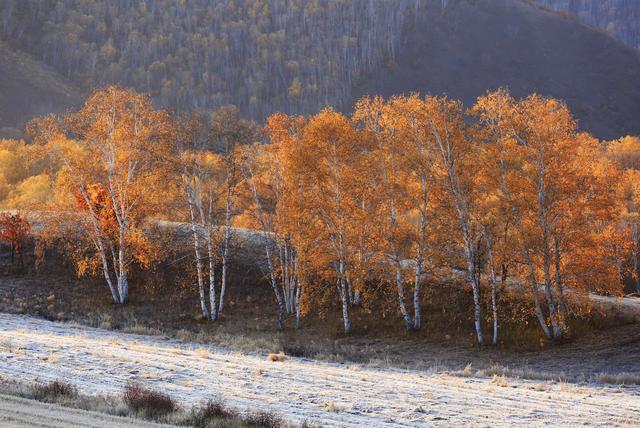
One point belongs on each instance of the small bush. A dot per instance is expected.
(277, 357)
(264, 419)
(53, 391)
(151, 403)
(210, 411)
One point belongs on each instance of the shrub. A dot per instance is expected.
(151, 403)
(264, 419)
(53, 391)
(209, 412)
(277, 357)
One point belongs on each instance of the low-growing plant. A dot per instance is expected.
(144, 400)
(210, 412)
(53, 391)
(264, 419)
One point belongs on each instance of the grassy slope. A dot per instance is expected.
(479, 45)
(29, 89)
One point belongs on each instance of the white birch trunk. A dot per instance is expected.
(212, 277)
(344, 297)
(494, 289)
(462, 211)
(225, 249)
(267, 249)
(553, 313)
(196, 247)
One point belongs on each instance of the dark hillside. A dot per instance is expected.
(477, 45)
(619, 18)
(28, 89)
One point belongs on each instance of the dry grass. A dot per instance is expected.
(264, 419)
(520, 373)
(202, 353)
(52, 358)
(211, 411)
(619, 379)
(333, 407)
(53, 391)
(141, 329)
(500, 381)
(151, 403)
(467, 371)
(150, 406)
(277, 357)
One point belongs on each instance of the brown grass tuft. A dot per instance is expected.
(144, 400)
(619, 379)
(277, 357)
(53, 391)
(264, 419)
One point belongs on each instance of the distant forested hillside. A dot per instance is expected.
(620, 18)
(471, 46)
(262, 56)
(298, 56)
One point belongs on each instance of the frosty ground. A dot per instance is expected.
(101, 362)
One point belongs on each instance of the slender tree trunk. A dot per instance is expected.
(462, 211)
(283, 273)
(417, 318)
(225, 251)
(298, 308)
(558, 277)
(274, 283)
(476, 290)
(525, 252)
(400, 288)
(107, 276)
(123, 282)
(212, 276)
(536, 296)
(396, 260)
(494, 291)
(293, 280)
(553, 313)
(343, 295)
(267, 249)
(196, 247)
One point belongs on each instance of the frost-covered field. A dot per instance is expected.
(101, 362)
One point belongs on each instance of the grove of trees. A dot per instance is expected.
(507, 192)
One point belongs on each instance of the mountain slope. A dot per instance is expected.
(620, 18)
(261, 55)
(29, 89)
(473, 46)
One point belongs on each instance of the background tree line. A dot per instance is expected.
(343, 209)
(262, 56)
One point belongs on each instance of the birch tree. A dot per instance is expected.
(254, 170)
(548, 175)
(324, 164)
(228, 131)
(197, 168)
(111, 167)
(456, 156)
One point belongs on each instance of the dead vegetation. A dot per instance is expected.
(138, 401)
(151, 403)
(280, 356)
